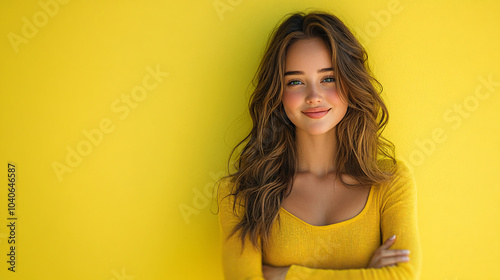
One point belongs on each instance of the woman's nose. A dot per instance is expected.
(313, 95)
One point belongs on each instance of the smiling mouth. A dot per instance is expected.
(316, 115)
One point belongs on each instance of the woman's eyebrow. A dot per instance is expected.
(302, 73)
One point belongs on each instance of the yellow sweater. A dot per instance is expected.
(337, 251)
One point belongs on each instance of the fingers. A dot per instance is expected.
(388, 243)
(392, 261)
(396, 254)
(393, 253)
(388, 257)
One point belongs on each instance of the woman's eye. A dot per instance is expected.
(294, 83)
(297, 82)
(329, 80)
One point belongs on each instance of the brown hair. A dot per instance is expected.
(267, 164)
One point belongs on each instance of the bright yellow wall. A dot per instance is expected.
(161, 89)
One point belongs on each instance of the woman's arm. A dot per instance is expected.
(398, 217)
(237, 264)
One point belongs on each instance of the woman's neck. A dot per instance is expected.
(316, 153)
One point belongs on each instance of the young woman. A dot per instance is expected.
(318, 192)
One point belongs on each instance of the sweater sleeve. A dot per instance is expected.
(398, 210)
(237, 264)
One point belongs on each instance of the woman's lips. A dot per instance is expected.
(316, 115)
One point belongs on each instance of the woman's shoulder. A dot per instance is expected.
(396, 166)
(402, 180)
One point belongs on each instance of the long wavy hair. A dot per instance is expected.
(266, 166)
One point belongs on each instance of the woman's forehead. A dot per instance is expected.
(308, 54)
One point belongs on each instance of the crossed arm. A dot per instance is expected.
(398, 217)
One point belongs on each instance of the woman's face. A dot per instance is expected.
(310, 84)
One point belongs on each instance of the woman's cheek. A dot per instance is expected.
(292, 99)
(334, 96)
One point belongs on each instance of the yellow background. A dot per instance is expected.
(117, 214)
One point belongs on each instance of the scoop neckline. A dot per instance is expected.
(341, 223)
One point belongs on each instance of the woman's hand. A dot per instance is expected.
(274, 272)
(385, 257)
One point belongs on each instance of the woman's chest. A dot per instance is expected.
(324, 202)
(333, 228)
(348, 244)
